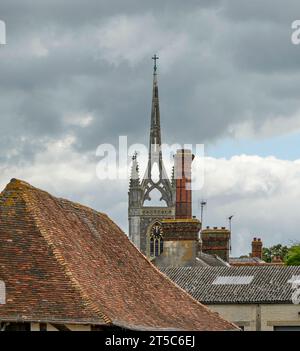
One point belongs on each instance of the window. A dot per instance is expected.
(233, 280)
(156, 247)
(155, 241)
(43, 326)
(15, 326)
(287, 328)
(294, 280)
(161, 243)
(151, 247)
(2, 292)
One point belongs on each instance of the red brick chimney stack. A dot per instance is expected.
(183, 171)
(216, 241)
(257, 248)
(181, 233)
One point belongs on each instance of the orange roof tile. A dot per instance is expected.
(62, 261)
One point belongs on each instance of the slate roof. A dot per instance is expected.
(202, 260)
(269, 284)
(239, 261)
(65, 263)
(207, 260)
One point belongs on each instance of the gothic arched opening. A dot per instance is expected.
(155, 240)
(155, 196)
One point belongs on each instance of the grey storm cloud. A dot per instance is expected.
(222, 62)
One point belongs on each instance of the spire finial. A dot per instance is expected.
(155, 58)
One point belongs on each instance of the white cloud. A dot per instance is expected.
(64, 172)
(81, 120)
(262, 193)
(56, 168)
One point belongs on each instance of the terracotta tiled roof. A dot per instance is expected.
(62, 261)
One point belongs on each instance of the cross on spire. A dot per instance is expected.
(155, 58)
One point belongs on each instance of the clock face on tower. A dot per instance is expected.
(156, 231)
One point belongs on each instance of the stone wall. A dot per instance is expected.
(256, 317)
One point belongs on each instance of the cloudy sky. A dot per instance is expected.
(76, 74)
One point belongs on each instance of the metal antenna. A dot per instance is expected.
(230, 220)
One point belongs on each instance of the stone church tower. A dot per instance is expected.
(145, 222)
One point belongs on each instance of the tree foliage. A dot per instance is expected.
(293, 256)
(275, 251)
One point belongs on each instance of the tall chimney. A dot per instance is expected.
(257, 248)
(183, 170)
(180, 234)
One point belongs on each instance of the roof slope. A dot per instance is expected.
(202, 260)
(207, 260)
(63, 261)
(270, 284)
(247, 261)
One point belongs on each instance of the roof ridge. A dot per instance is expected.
(30, 203)
(17, 184)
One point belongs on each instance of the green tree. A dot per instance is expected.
(293, 256)
(275, 251)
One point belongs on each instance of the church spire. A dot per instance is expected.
(155, 154)
(143, 210)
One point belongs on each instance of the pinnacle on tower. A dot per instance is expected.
(134, 175)
(173, 182)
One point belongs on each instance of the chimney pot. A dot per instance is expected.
(256, 248)
(183, 168)
(218, 244)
